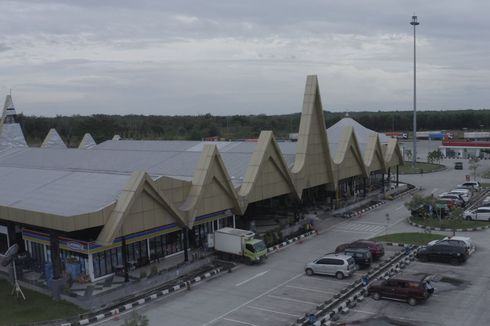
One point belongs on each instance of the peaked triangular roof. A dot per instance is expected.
(8, 114)
(392, 153)
(266, 171)
(348, 158)
(53, 140)
(138, 183)
(373, 155)
(313, 164)
(116, 137)
(362, 133)
(210, 178)
(87, 142)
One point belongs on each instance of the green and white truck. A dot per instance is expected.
(239, 244)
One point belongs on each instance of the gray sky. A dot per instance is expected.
(241, 57)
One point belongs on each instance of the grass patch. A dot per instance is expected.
(408, 168)
(449, 224)
(36, 307)
(415, 238)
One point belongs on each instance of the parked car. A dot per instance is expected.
(376, 248)
(458, 165)
(337, 265)
(452, 253)
(486, 201)
(464, 193)
(408, 287)
(473, 184)
(464, 241)
(362, 257)
(480, 213)
(456, 198)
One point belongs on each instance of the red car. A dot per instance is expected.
(376, 248)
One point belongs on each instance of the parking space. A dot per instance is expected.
(301, 295)
(460, 297)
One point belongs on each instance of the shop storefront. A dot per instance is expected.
(90, 261)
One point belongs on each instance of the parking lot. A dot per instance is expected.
(460, 297)
(292, 299)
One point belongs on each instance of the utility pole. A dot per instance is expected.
(414, 23)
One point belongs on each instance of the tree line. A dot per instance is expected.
(103, 127)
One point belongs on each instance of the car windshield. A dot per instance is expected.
(259, 246)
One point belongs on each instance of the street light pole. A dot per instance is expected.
(414, 23)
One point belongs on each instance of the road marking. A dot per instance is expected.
(398, 208)
(290, 299)
(327, 280)
(240, 322)
(253, 299)
(274, 311)
(433, 191)
(312, 290)
(253, 277)
(364, 312)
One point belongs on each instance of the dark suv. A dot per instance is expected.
(377, 250)
(410, 288)
(362, 257)
(445, 252)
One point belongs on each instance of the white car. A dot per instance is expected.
(481, 213)
(471, 184)
(456, 198)
(486, 201)
(465, 193)
(470, 246)
(337, 265)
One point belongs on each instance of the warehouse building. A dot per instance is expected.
(121, 204)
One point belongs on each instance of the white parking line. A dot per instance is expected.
(292, 300)
(253, 299)
(253, 277)
(326, 279)
(274, 311)
(240, 322)
(312, 290)
(364, 312)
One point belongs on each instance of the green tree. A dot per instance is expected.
(136, 319)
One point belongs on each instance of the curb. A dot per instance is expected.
(116, 310)
(431, 228)
(364, 210)
(283, 244)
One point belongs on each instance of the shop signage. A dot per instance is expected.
(75, 246)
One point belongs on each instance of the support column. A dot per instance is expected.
(186, 244)
(382, 182)
(91, 267)
(11, 234)
(125, 259)
(234, 222)
(397, 175)
(364, 186)
(389, 178)
(55, 255)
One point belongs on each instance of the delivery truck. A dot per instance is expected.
(239, 244)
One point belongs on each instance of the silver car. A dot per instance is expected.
(337, 265)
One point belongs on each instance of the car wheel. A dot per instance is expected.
(412, 301)
(376, 296)
(309, 271)
(454, 261)
(468, 218)
(339, 275)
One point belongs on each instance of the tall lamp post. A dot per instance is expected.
(414, 23)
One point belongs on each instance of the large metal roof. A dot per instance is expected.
(11, 135)
(59, 192)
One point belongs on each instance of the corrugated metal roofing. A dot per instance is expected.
(59, 192)
(53, 140)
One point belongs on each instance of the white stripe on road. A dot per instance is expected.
(327, 279)
(240, 322)
(274, 311)
(364, 312)
(312, 290)
(253, 299)
(253, 277)
(292, 300)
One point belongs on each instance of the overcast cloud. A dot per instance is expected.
(241, 57)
